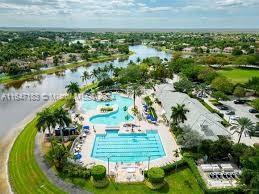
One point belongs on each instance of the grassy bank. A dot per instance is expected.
(180, 182)
(239, 75)
(24, 173)
(9, 79)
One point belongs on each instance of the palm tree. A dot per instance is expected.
(179, 113)
(62, 119)
(45, 121)
(85, 76)
(136, 89)
(73, 88)
(243, 125)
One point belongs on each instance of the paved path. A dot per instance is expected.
(67, 187)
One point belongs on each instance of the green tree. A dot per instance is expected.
(255, 103)
(73, 88)
(62, 118)
(239, 92)
(45, 120)
(58, 156)
(184, 85)
(218, 95)
(136, 89)
(222, 84)
(179, 113)
(189, 138)
(243, 125)
(85, 76)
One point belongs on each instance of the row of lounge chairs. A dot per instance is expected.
(224, 175)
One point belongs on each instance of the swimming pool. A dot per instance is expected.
(124, 147)
(114, 118)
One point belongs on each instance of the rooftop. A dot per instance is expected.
(199, 118)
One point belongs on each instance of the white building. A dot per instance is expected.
(199, 118)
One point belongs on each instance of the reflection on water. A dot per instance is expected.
(13, 112)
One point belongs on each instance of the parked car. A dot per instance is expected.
(253, 110)
(230, 112)
(233, 117)
(239, 101)
(222, 107)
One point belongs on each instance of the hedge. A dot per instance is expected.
(156, 175)
(98, 172)
(189, 163)
(202, 184)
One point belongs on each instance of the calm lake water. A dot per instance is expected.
(13, 112)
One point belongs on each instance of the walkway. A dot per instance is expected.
(67, 187)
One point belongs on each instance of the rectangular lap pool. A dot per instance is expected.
(130, 147)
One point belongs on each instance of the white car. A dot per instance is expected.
(234, 118)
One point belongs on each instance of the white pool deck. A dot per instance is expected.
(129, 172)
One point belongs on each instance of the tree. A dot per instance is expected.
(136, 89)
(56, 60)
(255, 103)
(62, 119)
(184, 85)
(73, 88)
(218, 95)
(243, 125)
(85, 76)
(253, 84)
(58, 156)
(179, 114)
(45, 121)
(189, 138)
(239, 92)
(222, 84)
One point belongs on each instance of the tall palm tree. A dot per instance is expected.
(179, 113)
(136, 89)
(73, 88)
(243, 125)
(45, 121)
(85, 76)
(62, 119)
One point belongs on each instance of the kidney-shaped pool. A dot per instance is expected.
(114, 118)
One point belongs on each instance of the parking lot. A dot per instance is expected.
(241, 110)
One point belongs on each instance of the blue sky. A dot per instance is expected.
(130, 13)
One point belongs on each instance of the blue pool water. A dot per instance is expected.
(130, 147)
(113, 118)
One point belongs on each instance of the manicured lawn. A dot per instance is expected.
(181, 182)
(24, 172)
(239, 75)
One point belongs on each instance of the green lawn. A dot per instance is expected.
(237, 75)
(181, 182)
(24, 173)
(27, 177)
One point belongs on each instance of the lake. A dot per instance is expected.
(13, 112)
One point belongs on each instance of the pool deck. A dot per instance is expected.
(130, 172)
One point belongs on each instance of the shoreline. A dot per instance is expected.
(9, 138)
(61, 68)
(6, 146)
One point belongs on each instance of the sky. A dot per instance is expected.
(168, 14)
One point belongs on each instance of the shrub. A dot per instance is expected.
(76, 171)
(98, 172)
(156, 175)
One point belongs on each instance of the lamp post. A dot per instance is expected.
(108, 158)
(148, 162)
